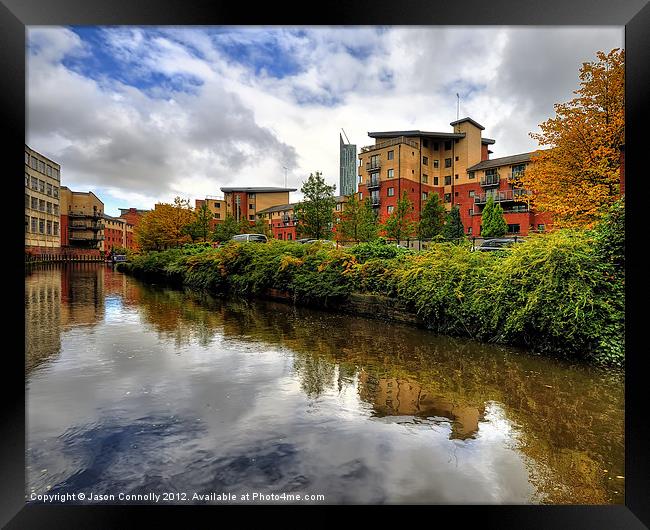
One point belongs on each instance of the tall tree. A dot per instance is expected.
(166, 226)
(493, 223)
(453, 229)
(357, 222)
(200, 227)
(578, 176)
(315, 214)
(226, 229)
(432, 218)
(399, 225)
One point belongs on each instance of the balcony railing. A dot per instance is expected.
(79, 237)
(388, 143)
(87, 226)
(490, 180)
(373, 183)
(376, 164)
(374, 201)
(502, 196)
(94, 215)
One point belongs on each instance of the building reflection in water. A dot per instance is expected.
(404, 397)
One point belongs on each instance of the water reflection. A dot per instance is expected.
(149, 387)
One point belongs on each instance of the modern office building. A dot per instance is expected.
(348, 167)
(42, 202)
(456, 165)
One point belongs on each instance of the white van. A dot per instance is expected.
(256, 238)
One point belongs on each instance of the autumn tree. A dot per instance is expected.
(315, 214)
(357, 222)
(399, 225)
(577, 178)
(166, 226)
(453, 229)
(432, 218)
(493, 223)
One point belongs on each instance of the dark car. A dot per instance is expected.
(497, 244)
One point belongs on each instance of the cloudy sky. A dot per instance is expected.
(142, 114)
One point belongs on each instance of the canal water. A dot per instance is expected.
(136, 389)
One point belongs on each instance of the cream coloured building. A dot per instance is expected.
(42, 201)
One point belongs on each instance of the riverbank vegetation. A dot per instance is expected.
(557, 293)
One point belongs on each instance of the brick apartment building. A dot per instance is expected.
(456, 166)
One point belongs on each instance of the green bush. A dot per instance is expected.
(557, 293)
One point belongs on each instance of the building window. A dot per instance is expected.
(56, 209)
(34, 183)
(217, 205)
(55, 173)
(33, 163)
(425, 178)
(251, 217)
(41, 186)
(471, 193)
(27, 203)
(389, 209)
(456, 159)
(27, 223)
(447, 197)
(448, 145)
(26, 157)
(471, 174)
(49, 189)
(541, 227)
(251, 206)
(34, 203)
(338, 207)
(49, 171)
(425, 142)
(289, 236)
(251, 195)
(435, 146)
(469, 230)
(470, 211)
(447, 162)
(41, 226)
(425, 195)
(49, 207)
(456, 194)
(425, 160)
(41, 205)
(34, 225)
(436, 164)
(55, 191)
(49, 228)
(448, 180)
(391, 155)
(513, 229)
(360, 196)
(41, 166)
(55, 229)
(391, 192)
(435, 181)
(26, 180)
(456, 176)
(391, 173)
(217, 216)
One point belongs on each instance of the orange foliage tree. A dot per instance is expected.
(579, 174)
(166, 226)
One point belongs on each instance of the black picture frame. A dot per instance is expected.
(633, 14)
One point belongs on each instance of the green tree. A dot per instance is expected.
(432, 218)
(315, 214)
(493, 223)
(225, 230)
(200, 227)
(453, 229)
(357, 221)
(166, 226)
(400, 224)
(261, 227)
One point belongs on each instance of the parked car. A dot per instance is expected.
(498, 244)
(255, 238)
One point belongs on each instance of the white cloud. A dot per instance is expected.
(192, 110)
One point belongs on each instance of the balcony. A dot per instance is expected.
(388, 143)
(490, 180)
(373, 183)
(374, 201)
(94, 215)
(79, 237)
(502, 196)
(87, 226)
(515, 176)
(373, 165)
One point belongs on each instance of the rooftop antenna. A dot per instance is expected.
(346, 136)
